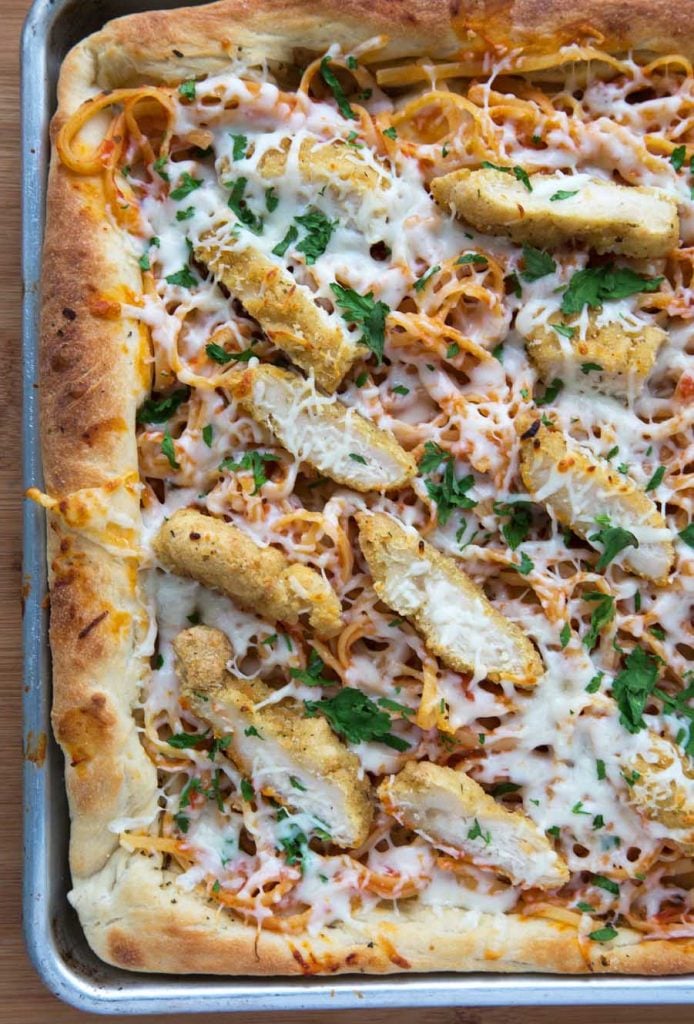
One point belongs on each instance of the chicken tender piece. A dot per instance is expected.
(338, 442)
(298, 761)
(576, 487)
(285, 310)
(261, 580)
(336, 164)
(662, 788)
(458, 622)
(451, 811)
(627, 219)
(626, 358)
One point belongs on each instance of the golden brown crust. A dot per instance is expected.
(92, 377)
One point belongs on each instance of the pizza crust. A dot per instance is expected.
(93, 374)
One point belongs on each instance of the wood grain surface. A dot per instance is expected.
(23, 999)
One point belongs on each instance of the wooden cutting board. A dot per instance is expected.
(23, 999)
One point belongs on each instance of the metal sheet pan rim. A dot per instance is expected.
(74, 974)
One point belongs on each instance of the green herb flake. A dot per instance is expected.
(518, 515)
(252, 731)
(594, 685)
(357, 718)
(551, 392)
(678, 156)
(537, 264)
(355, 457)
(606, 883)
(182, 822)
(333, 83)
(362, 379)
(562, 194)
(271, 199)
(390, 133)
(183, 740)
(613, 540)
(168, 449)
(565, 330)
(240, 143)
(602, 615)
(421, 282)
(367, 313)
(656, 479)
(633, 688)
(187, 90)
(297, 783)
(603, 934)
(312, 674)
(585, 907)
(453, 350)
(182, 278)
(565, 634)
(159, 410)
(255, 463)
(502, 788)
(472, 257)
(289, 238)
(595, 285)
(237, 203)
(319, 230)
(187, 185)
(578, 808)
(476, 832)
(185, 214)
(207, 433)
(400, 389)
(687, 535)
(587, 368)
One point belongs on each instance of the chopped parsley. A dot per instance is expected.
(159, 165)
(390, 133)
(519, 520)
(537, 264)
(183, 740)
(606, 883)
(182, 822)
(183, 278)
(451, 491)
(395, 706)
(333, 83)
(356, 717)
(355, 457)
(526, 565)
(603, 934)
(518, 172)
(311, 675)
(687, 535)
(365, 312)
(247, 791)
(158, 410)
(565, 330)
(565, 634)
(187, 90)
(221, 356)
(291, 236)
(656, 479)
(238, 151)
(476, 833)
(295, 847)
(594, 684)
(678, 156)
(252, 731)
(185, 214)
(613, 540)
(238, 205)
(585, 907)
(587, 368)
(472, 257)
(187, 185)
(634, 686)
(318, 233)
(421, 282)
(272, 200)
(600, 770)
(578, 808)
(297, 783)
(254, 462)
(400, 389)
(551, 392)
(207, 434)
(595, 285)
(168, 449)
(362, 379)
(601, 616)
(562, 194)
(502, 788)
(453, 350)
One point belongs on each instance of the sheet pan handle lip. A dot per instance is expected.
(126, 993)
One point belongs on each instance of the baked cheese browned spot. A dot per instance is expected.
(459, 623)
(661, 787)
(580, 490)
(337, 441)
(293, 759)
(261, 580)
(609, 358)
(453, 812)
(635, 221)
(284, 309)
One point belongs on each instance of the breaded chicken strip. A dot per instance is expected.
(338, 442)
(577, 488)
(661, 787)
(285, 310)
(635, 221)
(296, 760)
(261, 580)
(609, 359)
(458, 622)
(335, 164)
(453, 812)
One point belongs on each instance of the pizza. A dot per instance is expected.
(367, 379)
